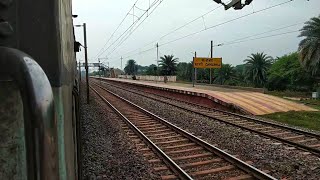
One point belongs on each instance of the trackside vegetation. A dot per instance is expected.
(309, 120)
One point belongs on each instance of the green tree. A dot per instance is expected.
(287, 74)
(151, 70)
(309, 47)
(226, 73)
(240, 75)
(203, 75)
(168, 65)
(257, 66)
(94, 73)
(140, 70)
(131, 67)
(184, 71)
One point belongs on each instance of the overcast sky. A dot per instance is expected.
(103, 17)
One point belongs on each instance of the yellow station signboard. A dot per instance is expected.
(200, 62)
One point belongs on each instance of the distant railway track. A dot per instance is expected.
(185, 155)
(300, 139)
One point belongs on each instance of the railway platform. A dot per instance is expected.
(254, 103)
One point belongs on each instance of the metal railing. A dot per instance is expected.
(38, 110)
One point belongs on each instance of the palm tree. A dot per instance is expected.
(131, 67)
(309, 48)
(227, 72)
(168, 64)
(257, 66)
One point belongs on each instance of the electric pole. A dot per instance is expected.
(86, 58)
(109, 70)
(99, 68)
(121, 63)
(194, 72)
(157, 55)
(211, 57)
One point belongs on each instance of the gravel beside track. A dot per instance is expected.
(107, 152)
(289, 125)
(265, 154)
(194, 158)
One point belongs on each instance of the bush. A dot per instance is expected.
(287, 74)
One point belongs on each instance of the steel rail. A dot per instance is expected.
(240, 115)
(300, 146)
(167, 160)
(231, 159)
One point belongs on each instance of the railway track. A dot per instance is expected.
(184, 155)
(304, 140)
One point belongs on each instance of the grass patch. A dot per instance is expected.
(310, 120)
(306, 119)
(315, 103)
(290, 94)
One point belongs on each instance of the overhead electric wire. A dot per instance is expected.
(131, 26)
(231, 20)
(239, 40)
(236, 42)
(124, 39)
(127, 36)
(140, 8)
(273, 35)
(211, 27)
(191, 34)
(118, 27)
(131, 31)
(258, 34)
(249, 14)
(199, 17)
(190, 22)
(140, 52)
